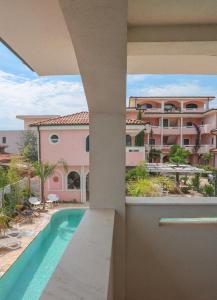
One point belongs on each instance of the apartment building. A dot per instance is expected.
(187, 121)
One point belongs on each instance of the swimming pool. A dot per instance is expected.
(28, 276)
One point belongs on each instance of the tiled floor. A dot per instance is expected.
(29, 231)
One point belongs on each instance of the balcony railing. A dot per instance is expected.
(195, 110)
(156, 129)
(202, 148)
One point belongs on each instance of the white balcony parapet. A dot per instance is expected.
(85, 270)
(202, 148)
(196, 110)
(135, 149)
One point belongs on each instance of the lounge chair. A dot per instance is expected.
(52, 199)
(34, 201)
(13, 232)
(11, 243)
(25, 215)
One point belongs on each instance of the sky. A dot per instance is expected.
(24, 92)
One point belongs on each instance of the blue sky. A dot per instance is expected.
(23, 92)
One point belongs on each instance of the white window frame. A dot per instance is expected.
(51, 142)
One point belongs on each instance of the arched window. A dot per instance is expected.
(146, 106)
(191, 106)
(73, 181)
(88, 143)
(128, 140)
(169, 107)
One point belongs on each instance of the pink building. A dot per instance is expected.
(187, 121)
(165, 121)
(67, 138)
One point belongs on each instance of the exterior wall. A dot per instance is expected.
(206, 122)
(71, 147)
(57, 184)
(12, 140)
(170, 262)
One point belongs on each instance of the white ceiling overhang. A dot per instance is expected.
(163, 36)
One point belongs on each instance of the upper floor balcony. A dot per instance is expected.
(173, 106)
(176, 130)
(165, 148)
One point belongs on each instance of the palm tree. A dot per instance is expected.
(178, 155)
(45, 170)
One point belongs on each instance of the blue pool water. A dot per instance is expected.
(28, 276)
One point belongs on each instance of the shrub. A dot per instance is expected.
(166, 183)
(4, 223)
(144, 187)
(195, 182)
(208, 190)
(185, 189)
(11, 200)
(139, 172)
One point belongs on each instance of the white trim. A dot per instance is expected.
(64, 127)
(50, 141)
(81, 127)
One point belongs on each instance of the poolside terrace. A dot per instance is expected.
(121, 251)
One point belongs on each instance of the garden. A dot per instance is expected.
(175, 178)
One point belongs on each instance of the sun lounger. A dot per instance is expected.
(13, 232)
(26, 215)
(11, 243)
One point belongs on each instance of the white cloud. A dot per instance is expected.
(182, 89)
(20, 95)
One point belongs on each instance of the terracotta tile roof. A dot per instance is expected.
(5, 158)
(81, 118)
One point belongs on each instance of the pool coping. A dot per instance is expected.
(91, 246)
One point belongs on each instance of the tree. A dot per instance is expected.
(178, 155)
(29, 146)
(45, 170)
(207, 157)
(3, 177)
(139, 139)
(139, 115)
(154, 154)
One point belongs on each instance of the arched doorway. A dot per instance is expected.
(87, 187)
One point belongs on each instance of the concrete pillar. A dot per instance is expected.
(182, 106)
(162, 105)
(181, 131)
(99, 34)
(83, 185)
(162, 131)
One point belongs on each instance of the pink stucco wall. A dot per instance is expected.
(71, 147)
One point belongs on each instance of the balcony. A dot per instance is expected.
(206, 128)
(201, 150)
(193, 110)
(151, 110)
(171, 130)
(134, 155)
